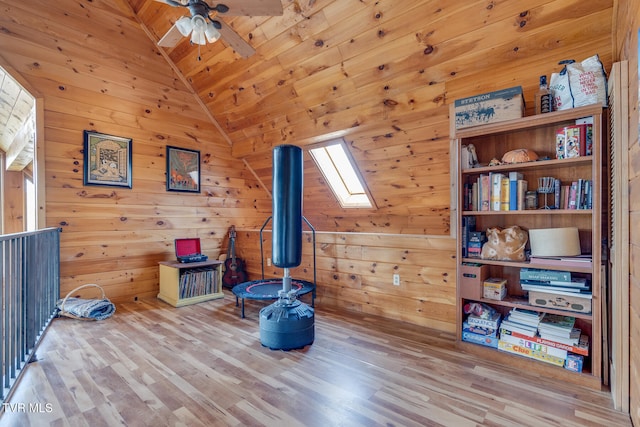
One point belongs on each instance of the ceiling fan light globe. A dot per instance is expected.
(184, 25)
(197, 37)
(198, 23)
(211, 33)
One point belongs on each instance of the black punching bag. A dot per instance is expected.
(287, 206)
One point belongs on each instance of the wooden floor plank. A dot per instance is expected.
(203, 365)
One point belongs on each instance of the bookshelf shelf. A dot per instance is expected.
(586, 270)
(522, 302)
(529, 123)
(531, 212)
(514, 361)
(190, 283)
(540, 164)
(536, 133)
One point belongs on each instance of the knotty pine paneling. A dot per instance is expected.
(384, 76)
(627, 22)
(96, 69)
(355, 271)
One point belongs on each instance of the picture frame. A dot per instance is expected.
(183, 170)
(107, 160)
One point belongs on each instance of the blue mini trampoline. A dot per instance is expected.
(267, 289)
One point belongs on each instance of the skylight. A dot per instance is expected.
(340, 172)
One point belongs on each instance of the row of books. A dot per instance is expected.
(578, 195)
(507, 192)
(546, 337)
(468, 226)
(495, 191)
(197, 282)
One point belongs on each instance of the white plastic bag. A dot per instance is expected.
(588, 82)
(560, 88)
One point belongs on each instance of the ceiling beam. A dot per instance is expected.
(20, 152)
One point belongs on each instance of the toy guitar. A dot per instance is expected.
(234, 272)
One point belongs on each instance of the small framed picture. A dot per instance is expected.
(183, 170)
(107, 160)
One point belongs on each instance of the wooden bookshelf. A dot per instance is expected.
(190, 283)
(537, 133)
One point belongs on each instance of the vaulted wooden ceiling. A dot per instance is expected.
(17, 123)
(378, 73)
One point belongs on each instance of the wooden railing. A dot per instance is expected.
(30, 264)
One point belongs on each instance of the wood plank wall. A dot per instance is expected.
(104, 74)
(626, 45)
(110, 78)
(355, 272)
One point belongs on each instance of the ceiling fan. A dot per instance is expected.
(205, 26)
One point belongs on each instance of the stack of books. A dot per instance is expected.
(552, 281)
(555, 341)
(522, 321)
(480, 330)
(559, 328)
(560, 288)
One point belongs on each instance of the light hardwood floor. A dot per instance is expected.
(202, 365)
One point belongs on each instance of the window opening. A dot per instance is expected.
(340, 172)
(30, 203)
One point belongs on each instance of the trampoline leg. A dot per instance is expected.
(237, 305)
(243, 308)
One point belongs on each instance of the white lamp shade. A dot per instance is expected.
(199, 26)
(197, 37)
(199, 23)
(184, 25)
(211, 33)
(201, 31)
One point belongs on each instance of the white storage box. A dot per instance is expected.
(555, 241)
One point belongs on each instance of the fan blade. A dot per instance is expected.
(252, 7)
(171, 3)
(171, 37)
(234, 40)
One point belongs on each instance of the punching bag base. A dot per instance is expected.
(286, 326)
